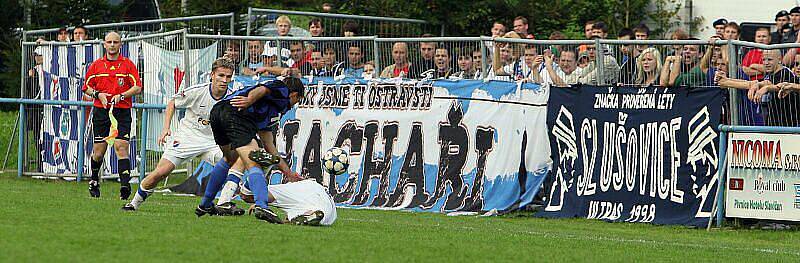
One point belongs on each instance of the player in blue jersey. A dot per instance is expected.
(236, 121)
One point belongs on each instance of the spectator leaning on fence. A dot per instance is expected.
(111, 80)
(648, 67)
(355, 67)
(466, 69)
(781, 19)
(590, 74)
(258, 63)
(782, 108)
(587, 32)
(79, 33)
(255, 51)
(442, 61)
(641, 32)
(627, 57)
(534, 69)
(567, 72)
(506, 61)
(317, 68)
(332, 63)
(426, 51)
(732, 31)
(477, 62)
(369, 70)
(678, 34)
(555, 49)
(686, 69)
(62, 35)
(232, 53)
(401, 64)
(751, 63)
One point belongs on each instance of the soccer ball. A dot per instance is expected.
(335, 161)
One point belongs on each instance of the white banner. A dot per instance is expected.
(763, 176)
(431, 146)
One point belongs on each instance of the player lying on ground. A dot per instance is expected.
(193, 137)
(235, 122)
(111, 80)
(305, 202)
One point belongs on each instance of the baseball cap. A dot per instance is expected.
(795, 10)
(721, 22)
(782, 13)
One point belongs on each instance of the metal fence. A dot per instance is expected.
(262, 22)
(690, 63)
(203, 24)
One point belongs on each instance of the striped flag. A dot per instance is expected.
(61, 77)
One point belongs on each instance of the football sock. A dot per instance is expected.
(140, 196)
(230, 187)
(124, 166)
(258, 185)
(96, 169)
(215, 181)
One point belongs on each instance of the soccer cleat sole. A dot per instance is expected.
(211, 211)
(128, 207)
(263, 158)
(313, 219)
(229, 209)
(267, 215)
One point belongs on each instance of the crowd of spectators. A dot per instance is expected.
(766, 77)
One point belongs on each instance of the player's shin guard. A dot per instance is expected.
(140, 196)
(124, 166)
(215, 181)
(230, 187)
(96, 169)
(258, 185)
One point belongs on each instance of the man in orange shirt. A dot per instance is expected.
(111, 80)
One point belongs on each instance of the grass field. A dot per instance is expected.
(56, 221)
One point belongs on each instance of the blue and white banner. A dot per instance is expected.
(61, 77)
(165, 74)
(633, 154)
(426, 146)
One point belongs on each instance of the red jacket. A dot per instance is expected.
(113, 77)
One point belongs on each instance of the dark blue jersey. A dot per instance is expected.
(267, 110)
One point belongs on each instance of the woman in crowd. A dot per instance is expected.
(648, 67)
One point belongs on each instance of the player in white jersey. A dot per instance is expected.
(194, 137)
(305, 202)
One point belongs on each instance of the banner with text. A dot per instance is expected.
(763, 176)
(633, 154)
(426, 146)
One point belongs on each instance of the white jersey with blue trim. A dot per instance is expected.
(197, 101)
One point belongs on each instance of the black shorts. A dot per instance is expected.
(232, 126)
(101, 123)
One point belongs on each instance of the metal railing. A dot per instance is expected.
(690, 63)
(261, 22)
(202, 24)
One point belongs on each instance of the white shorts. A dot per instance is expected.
(179, 150)
(300, 197)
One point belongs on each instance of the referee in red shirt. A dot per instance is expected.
(111, 80)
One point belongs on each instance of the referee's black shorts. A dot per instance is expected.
(232, 126)
(101, 123)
